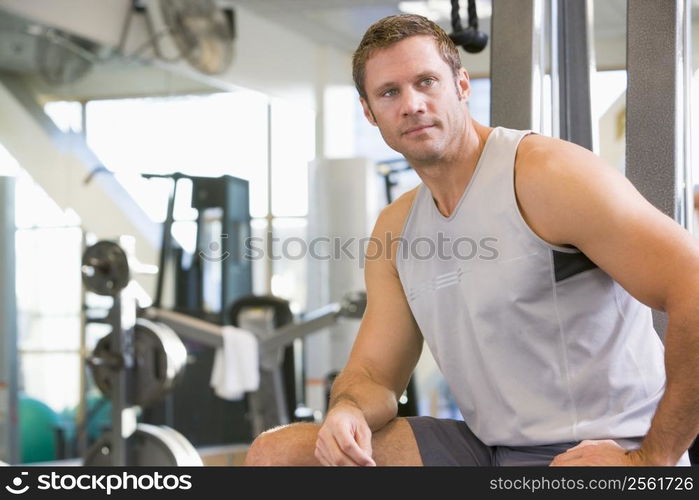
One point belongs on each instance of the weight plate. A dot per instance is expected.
(186, 453)
(105, 268)
(149, 445)
(160, 360)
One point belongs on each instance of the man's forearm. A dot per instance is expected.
(676, 421)
(377, 402)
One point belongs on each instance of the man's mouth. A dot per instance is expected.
(416, 130)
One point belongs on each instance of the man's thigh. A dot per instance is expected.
(529, 456)
(447, 442)
(294, 444)
(395, 444)
(524, 456)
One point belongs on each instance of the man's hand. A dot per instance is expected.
(344, 438)
(599, 453)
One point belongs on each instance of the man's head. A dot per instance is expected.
(413, 88)
(393, 29)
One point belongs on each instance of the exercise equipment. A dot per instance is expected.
(149, 445)
(223, 224)
(160, 361)
(471, 39)
(281, 387)
(269, 404)
(37, 429)
(105, 268)
(134, 365)
(203, 283)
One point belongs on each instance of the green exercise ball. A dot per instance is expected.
(37, 430)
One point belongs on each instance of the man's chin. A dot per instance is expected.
(423, 156)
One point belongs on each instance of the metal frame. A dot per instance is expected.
(122, 317)
(9, 409)
(654, 102)
(210, 334)
(657, 152)
(268, 406)
(519, 63)
(515, 64)
(572, 49)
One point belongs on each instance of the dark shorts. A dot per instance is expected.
(448, 442)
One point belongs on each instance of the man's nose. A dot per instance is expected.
(412, 102)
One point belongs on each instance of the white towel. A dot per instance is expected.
(236, 367)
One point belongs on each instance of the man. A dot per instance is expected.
(538, 324)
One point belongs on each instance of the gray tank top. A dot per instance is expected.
(538, 345)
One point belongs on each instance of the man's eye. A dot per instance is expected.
(389, 93)
(428, 82)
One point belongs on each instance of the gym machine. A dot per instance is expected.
(203, 283)
(134, 365)
(269, 405)
(658, 67)
(213, 284)
(143, 358)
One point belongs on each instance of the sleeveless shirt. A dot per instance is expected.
(537, 344)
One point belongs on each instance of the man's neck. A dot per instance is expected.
(447, 179)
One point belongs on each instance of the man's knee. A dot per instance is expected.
(292, 444)
(261, 449)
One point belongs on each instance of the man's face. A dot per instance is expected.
(415, 100)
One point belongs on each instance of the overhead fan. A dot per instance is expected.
(202, 33)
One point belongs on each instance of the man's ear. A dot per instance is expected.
(463, 84)
(367, 111)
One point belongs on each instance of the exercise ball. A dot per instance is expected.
(37, 424)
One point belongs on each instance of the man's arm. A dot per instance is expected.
(570, 196)
(365, 395)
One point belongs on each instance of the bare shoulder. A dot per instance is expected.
(538, 154)
(570, 196)
(392, 218)
(554, 178)
(552, 167)
(387, 231)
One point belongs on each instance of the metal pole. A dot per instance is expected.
(81, 417)
(9, 421)
(515, 64)
(269, 219)
(166, 245)
(119, 400)
(555, 82)
(123, 320)
(656, 160)
(654, 114)
(575, 112)
(685, 107)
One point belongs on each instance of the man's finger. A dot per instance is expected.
(565, 458)
(339, 458)
(321, 458)
(592, 442)
(364, 442)
(582, 444)
(349, 447)
(329, 451)
(565, 461)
